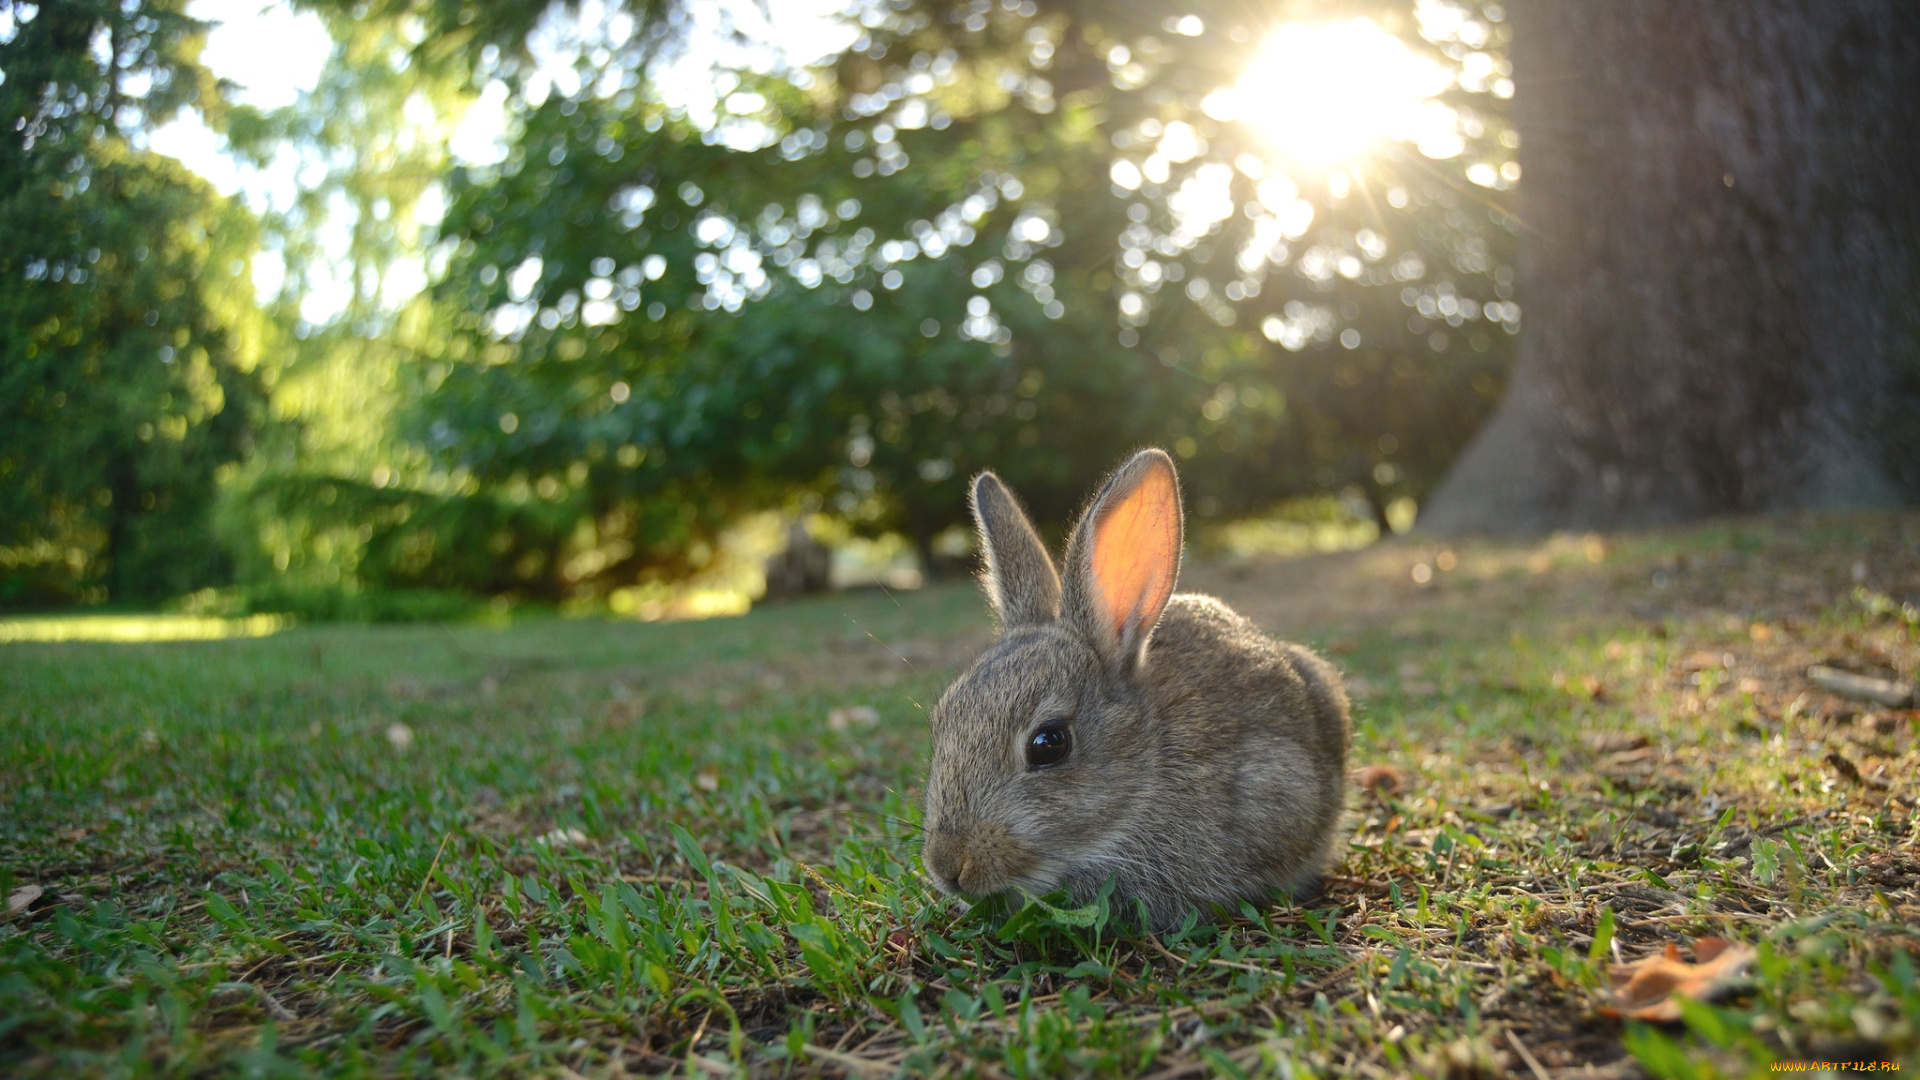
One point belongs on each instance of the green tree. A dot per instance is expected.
(1020, 236)
(954, 248)
(370, 143)
(128, 332)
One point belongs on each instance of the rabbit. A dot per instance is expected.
(1116, 729)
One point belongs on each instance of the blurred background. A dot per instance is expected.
(410, 308)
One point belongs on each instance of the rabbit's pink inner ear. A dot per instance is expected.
(1136, 556)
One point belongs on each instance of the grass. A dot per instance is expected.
(575, 847)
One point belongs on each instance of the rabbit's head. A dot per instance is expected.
(1044, 751)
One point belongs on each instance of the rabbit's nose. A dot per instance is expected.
(939, 857)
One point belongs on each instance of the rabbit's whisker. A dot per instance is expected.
(882, 644)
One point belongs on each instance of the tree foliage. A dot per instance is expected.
(983, 236)
(1021, 236)
(128, 334)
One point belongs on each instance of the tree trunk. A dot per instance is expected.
(1720, 266)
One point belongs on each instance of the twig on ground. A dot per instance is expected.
(425, 881)
(1526, 1055)
(858, 1064)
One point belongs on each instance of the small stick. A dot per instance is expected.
(1526, 1055)
(421, 891)
(1336, 976)
(1886, 692)
(1358, 883)
(1174, 1071)
(858, 1064)
(274, 1008)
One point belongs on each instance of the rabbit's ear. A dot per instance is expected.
(1018, 574)
(1124, 558)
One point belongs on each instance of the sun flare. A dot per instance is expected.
(1323, 94)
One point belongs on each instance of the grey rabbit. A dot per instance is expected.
(1116, 729)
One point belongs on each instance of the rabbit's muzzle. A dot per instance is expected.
(977, 860)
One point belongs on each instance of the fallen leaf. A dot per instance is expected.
(625, 710)
(1613, 742)
(1706, 661)
(22, 898)
(1852, 772)
(1385, 779)
(1876, 723)
(1651, 989)
(1894, 869)
(840, 719)
(1639, 756)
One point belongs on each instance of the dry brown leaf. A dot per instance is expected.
(22, 898)
(840, 719)
(1385, 779)
(1624, 758)
(625, 710)
(1613, 742)
(1705, 660)
(1852, 772)
(1650, 989)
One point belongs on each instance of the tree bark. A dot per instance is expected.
(1718, 269)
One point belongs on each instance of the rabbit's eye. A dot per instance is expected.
(1049, 745)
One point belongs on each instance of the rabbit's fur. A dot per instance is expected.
(1206, 762)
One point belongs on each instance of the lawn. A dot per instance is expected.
(580, 847)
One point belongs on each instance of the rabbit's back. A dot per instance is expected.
(1255, 733)
(1216, 666)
